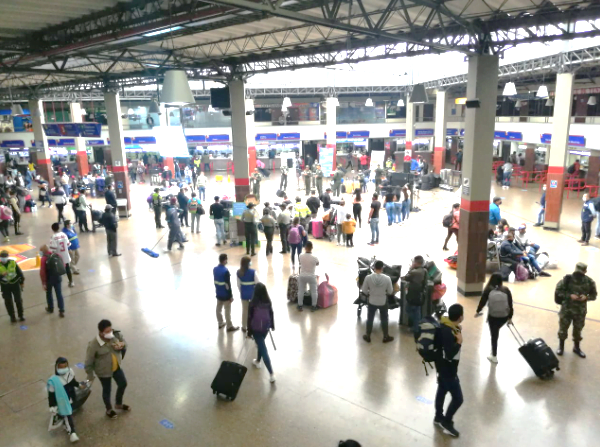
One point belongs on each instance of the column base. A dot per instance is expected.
(472, 247)
(551, 226)
(472, 289)
(44, 170)
(122, 186)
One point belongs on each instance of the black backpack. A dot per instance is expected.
(54, 265)
(428, 346)
(447, 220)
(571, 169)
(558, 299)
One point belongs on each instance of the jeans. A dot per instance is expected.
(220, 227)
(405, 209)
(597, 224)
(311, 282)
(296, 248)
(586, 231)
(542, 215)
(389, 210)
(196, 219)
(383, 315)
(250, 230)
(261, 346)
(374, 230)
(227, 305)
(495, 324)
(283, 231)
(283, 182)
(445, 386)
(414, 315)
(397, 212)
(506, 178)
(269, 231)
(55, 283)
(106, 382)
(202, 192)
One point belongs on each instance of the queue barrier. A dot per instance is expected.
(574, 184)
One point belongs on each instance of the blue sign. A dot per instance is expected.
(239, 208)
(69, 129)
(358, 134)
(90, 130)
(52, 130)
(398, 133)
(341, 134)
(167, 424)
(462, 132)
(128, 140)
(266, 137)
(515, 136)
(451, 132)
(292, 136)
(553, 184)
(94, 142)
(120, 185)
(144, 140)
(546, 138)
(52, 142)
(13, 143)
(500, 135)
(217, 138)
(195, 138)
(326, 160)
(577, 140)
(423, 132)
(64, 142)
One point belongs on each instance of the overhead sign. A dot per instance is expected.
(515, 136)
(266, 137)
(574, 140)
(13, 143)
(423, 132)
(195, 138)
(290, 136)
(87, 130)
(451, 132)
(217, 138)
(397, 132)
(64, 142)
(144, 140)
(94, 142)
(90, 130)
(358, 134)
(500, 135)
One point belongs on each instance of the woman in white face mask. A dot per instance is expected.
(62, 398)
(104, 356)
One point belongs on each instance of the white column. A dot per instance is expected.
(117, 146)
(43, 164)
(80, 147)
(439, 140)
(330, 128)
(243, 139)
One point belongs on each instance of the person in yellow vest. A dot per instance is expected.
(11, 284)
(302, 212)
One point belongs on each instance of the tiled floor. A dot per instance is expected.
(331, 385)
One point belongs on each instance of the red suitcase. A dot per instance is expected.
(317, 229)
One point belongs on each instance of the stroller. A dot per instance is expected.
(365, 268)
(96, 215)
(329, 225)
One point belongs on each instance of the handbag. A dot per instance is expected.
(201, 210)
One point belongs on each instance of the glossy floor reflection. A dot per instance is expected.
(331, 385)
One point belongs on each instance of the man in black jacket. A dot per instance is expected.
(449, 342)
(109, 221)
(313, 203)
(416, 279)
(326, 199)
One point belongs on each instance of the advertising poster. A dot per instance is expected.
(377, 158)
(326, 160)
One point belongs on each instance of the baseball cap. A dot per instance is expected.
(3, 254)
(522, 226)
(581, 267)
(108, 207)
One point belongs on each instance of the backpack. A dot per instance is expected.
(498, 304)
(426, 335)
(447, 220)
(54, 265)
(193, 206)
(294, 236)
(77, 202)
(521, 273)
(261, 319)
(558, 299)
(571, 169)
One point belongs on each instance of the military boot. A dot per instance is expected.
(561, 347)
(577, 350)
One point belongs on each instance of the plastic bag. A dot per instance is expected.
(511, 277)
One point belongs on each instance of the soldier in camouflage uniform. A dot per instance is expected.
(573, 292)
(255, 180)
(337, 180)
(319, 179)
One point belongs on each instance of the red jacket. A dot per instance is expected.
(43, 274)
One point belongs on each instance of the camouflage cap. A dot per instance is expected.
(581, 267)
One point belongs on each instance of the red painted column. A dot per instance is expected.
(439, 156)
(251, 159)
(555, 186)
(82, 163)
(44, 170)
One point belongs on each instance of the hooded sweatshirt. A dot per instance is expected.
(447, 364)
(377, 287)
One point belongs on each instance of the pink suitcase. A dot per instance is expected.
(327, 294)
(317, 229)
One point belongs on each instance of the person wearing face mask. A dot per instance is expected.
(103, 358)
(11, 283)
(587, 216)
(222, 279)
(73, 246)
(51, 270)
(246, 279)
(61, 396)
(60, 244)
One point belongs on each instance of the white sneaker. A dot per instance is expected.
(272, 379)
(256, 363)
(492, 358)
(74, 437)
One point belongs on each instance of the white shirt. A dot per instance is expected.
(201, 180)
(308, 264)
(59, 243)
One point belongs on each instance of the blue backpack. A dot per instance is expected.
(261, 319)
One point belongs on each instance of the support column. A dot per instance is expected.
(477, 163)
(593, 170)
(529, 158)
(243, 138)
(330, 127)
(410, 133)
(81, 157)
(117, 146)
(44, 165)
(558, 150)
(439, 141)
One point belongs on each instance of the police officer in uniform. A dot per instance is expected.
(11, 284)
(307, 179)
(572, 293)
(337, 180)
(157, 206)
(319, 179)
(362, 181)
(283, 181)
(255, 180)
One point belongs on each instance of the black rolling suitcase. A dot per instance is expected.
(229, 378)
(537, 353)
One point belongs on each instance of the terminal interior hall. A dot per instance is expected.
(302, 223)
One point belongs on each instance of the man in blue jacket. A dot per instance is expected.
(495, 212)
(222, 279)
(587, 216)
(542, 213)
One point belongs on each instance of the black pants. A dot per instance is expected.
(174, 235)
(283, 182)
(106, 382)
(383, 315)
(586, 231)
(75, 214)
(12, 292)
(307, 181)
(17, 222)
(283, 233)
(451, 231)
(157, 212)
(82, 217)
(446, 386)
(184, 216)
(69, 272)
(495, 325)
(4, 227)
(269, 231)
(319, 183)
(250, 230)
(356, 210)
(349, 240)
(60, 207)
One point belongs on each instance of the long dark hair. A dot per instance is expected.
(244, 266)
(495, 281)
(357, 194)
(261, 295)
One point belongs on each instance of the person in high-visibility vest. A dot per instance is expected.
(11, 284)
(246, 279)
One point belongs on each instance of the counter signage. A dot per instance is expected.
(128, 140)
(266, 137)
(94, 142)
(195, 138)
(340, 134)
(546, 138)
(215, 138)
(52, 130)
(293, 136)
(52, 142)
(451, 132)
(144, 140)
(397, 132)
(500, 135)
(358, 134)
(90, 130)
(13, 143)
(515, 136)
(577, 140)
(326, 160)
(69, 129)
(423, 132)
(65, 142)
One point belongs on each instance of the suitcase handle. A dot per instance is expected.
(519, 339)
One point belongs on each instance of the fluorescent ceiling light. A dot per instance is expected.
(549, 102)
(163, 31)
(152, 65)
(518, 104)
(83, 112)
(418, 95)
(510, 89)
(16, 110)
(592, 101)
(400, 103)
(369, 102)
(334, 101)
(287, 102)
(542, 92)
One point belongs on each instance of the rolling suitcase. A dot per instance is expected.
(317, 229)
(230, 376)
(292, 290)
(537, 354)
(280, 193)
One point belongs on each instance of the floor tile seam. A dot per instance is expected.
(373, 412)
